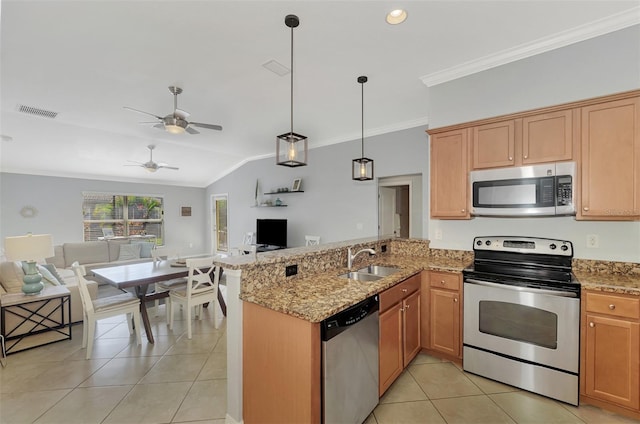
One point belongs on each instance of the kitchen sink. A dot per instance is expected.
(360, 276)
(378, 270)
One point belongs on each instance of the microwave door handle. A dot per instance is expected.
(520, 289)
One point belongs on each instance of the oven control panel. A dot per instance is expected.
(516, 244)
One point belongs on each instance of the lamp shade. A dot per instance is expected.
(29, 248)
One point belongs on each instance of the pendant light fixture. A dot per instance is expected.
(362, 168)
(291, 148)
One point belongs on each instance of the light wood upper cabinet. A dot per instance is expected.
(610, 160)
(611, 350)
(494, 145)
(449, 175)
(547, 137)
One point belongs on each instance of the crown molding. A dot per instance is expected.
(593, 29)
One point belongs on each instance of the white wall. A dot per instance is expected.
(605, 65)
(332, 206)
(59, 205)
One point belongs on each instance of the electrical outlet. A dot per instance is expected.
(593, 241)
(383, 248)
(438, 234)
(291, 270)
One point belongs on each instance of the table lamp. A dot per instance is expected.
(29, 249)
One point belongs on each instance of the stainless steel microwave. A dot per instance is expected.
(536, 190)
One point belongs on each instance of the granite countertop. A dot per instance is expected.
(609, 282)
(321, 295)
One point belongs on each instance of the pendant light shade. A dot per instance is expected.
(362, 167)
(291, 148)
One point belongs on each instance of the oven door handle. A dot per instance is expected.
(521, 289)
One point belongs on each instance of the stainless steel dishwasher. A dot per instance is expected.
(350, 363)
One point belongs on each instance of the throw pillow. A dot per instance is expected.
(129, 251)
(11, 276)
(47, 277)
(54, 271)
(145, 248)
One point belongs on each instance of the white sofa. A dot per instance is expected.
(11, 275)
(101, 254)
(92, 254)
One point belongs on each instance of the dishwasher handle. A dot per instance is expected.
(341, 321)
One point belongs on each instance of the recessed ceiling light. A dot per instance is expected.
(396, 16)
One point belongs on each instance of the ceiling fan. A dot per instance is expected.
(152, 166)
(176, 122)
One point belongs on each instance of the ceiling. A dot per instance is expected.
(86, 60)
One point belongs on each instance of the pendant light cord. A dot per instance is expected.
(362, 120)
(291, 80)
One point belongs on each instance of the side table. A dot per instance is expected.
(35, 320)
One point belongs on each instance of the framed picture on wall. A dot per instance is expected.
(185, 211)
(107, 232)
(296, 184)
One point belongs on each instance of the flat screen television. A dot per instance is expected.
(271, 232)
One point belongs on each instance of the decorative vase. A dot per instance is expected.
(278, 202)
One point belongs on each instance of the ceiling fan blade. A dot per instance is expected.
(134, 165)
(135, 162)
(182, 114)
(192, 130)
(142, 111)
(168, 167)
(161, 126)
(209, 126)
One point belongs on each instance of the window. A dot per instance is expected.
(124, 215)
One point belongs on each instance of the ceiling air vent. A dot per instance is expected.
(30, 110)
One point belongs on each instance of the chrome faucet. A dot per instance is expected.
(351, 257)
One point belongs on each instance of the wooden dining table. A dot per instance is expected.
(139, 276)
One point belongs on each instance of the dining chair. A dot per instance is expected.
(158, 254)
(106, 307)
(312, 240)
(199, 290)
(248, 238)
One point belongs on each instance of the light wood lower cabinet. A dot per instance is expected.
(441, 326)
(399, 329)
(610, 352)
(281, 375)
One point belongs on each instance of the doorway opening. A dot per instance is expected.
(400, 206)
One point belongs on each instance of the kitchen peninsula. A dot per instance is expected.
(273, 330)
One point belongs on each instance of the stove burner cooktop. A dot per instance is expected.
(525, 262)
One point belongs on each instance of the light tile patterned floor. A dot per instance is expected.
(180, 380)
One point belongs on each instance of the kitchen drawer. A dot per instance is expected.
(444, 280)
(395, 294)
(613, 305)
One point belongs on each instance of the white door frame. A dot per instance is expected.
(214, 235)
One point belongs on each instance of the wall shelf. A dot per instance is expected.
(285, 192)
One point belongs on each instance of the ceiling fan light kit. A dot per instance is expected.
(362, 167)
(291, 148)
(176, 122)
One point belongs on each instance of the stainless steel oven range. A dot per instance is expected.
(522, 315)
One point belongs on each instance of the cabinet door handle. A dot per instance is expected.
(586, 209)
(455, 299)
(591, 325)
(406, 307)
(612, 306)
(526, 156)
(404, 290)
(462, 210)
(510, 157)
